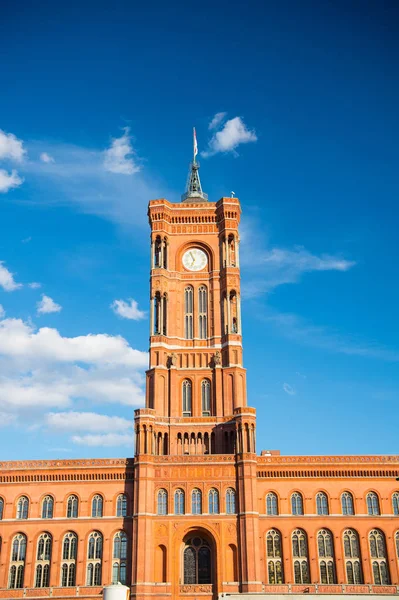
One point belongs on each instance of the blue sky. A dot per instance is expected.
(97, 104)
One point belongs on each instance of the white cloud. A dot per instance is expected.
(128, 310)
(47, 305)
(6, 419)
(11, 147)
(2, 312)
(21, 340)
(233, 133)
(217, 120)
(7, 281)
(46, 158)
(86, 421)
(289, 389)
(119, 158)
(27, 240)
(9, 180)
(34, 285)
(107, 439)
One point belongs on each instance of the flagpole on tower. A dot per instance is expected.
(194, 191)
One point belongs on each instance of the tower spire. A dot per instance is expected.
(194, 191)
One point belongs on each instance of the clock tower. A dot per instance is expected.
(196, 412)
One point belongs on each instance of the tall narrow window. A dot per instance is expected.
(397, 543)
(17, 562)
(94, 556)
(230, 501)
(48, 507)
(1, 508)
(179, 502)
(322, 504)
(97, 506)
(157, 320)
(326, 557)
(22, 508)
(300, 556)
(271, 504)
(347, 504)
(188, 313)
(274, 557)
(164, 314)
(157, 252)
(196, 502)
(378, 555)
(119, 556)
(373, 505)
(233, 312)
(121, 506)
(213, 502)
(353, 564)
(162, 502)
(186, 393)
(72, 507)
(203, 312)
(68, 564)
(43, 561)
(395, 503)
(206, 397)
(296, 504)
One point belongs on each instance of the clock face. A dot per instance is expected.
(194, 259)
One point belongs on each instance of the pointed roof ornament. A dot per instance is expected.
(194, 191)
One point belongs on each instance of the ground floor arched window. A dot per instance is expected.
(197, 561)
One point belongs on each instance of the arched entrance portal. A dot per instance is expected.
(198, 566)
(197, 562)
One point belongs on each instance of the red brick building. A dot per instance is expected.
(196, 513)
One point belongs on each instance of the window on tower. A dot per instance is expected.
(203, 312)
(186, 397)
(188, 313)
(206, 397)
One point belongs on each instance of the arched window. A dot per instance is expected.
(325, 546)
(347, 504)
(197, 561)
(97, 506)
(203, 312)
(230, 501)
(196, 502)
(22, 508)
(395, 503)
(162, 502)
(296, 504)
(206, 397)
(378, 555)
(94, 555)
(353, 564)
(397, 543)
(271, 504)
(1, 508)
(119, 556)
(186, 397)
(158, 252)
(121, 506)
(300, 556)
(157, 314)
(43, 561)
(188, 313)
(213, 502)
(274, 557)
(48, 508)
(164, 314)
(322, 504)
(179, 502)
(233, 312)
(72, 507)
(17, 562)
(69, 554)
(373, 505)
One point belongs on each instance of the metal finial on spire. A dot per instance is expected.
(194, 191)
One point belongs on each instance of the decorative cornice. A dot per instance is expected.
(327, 460)
(91, 463)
